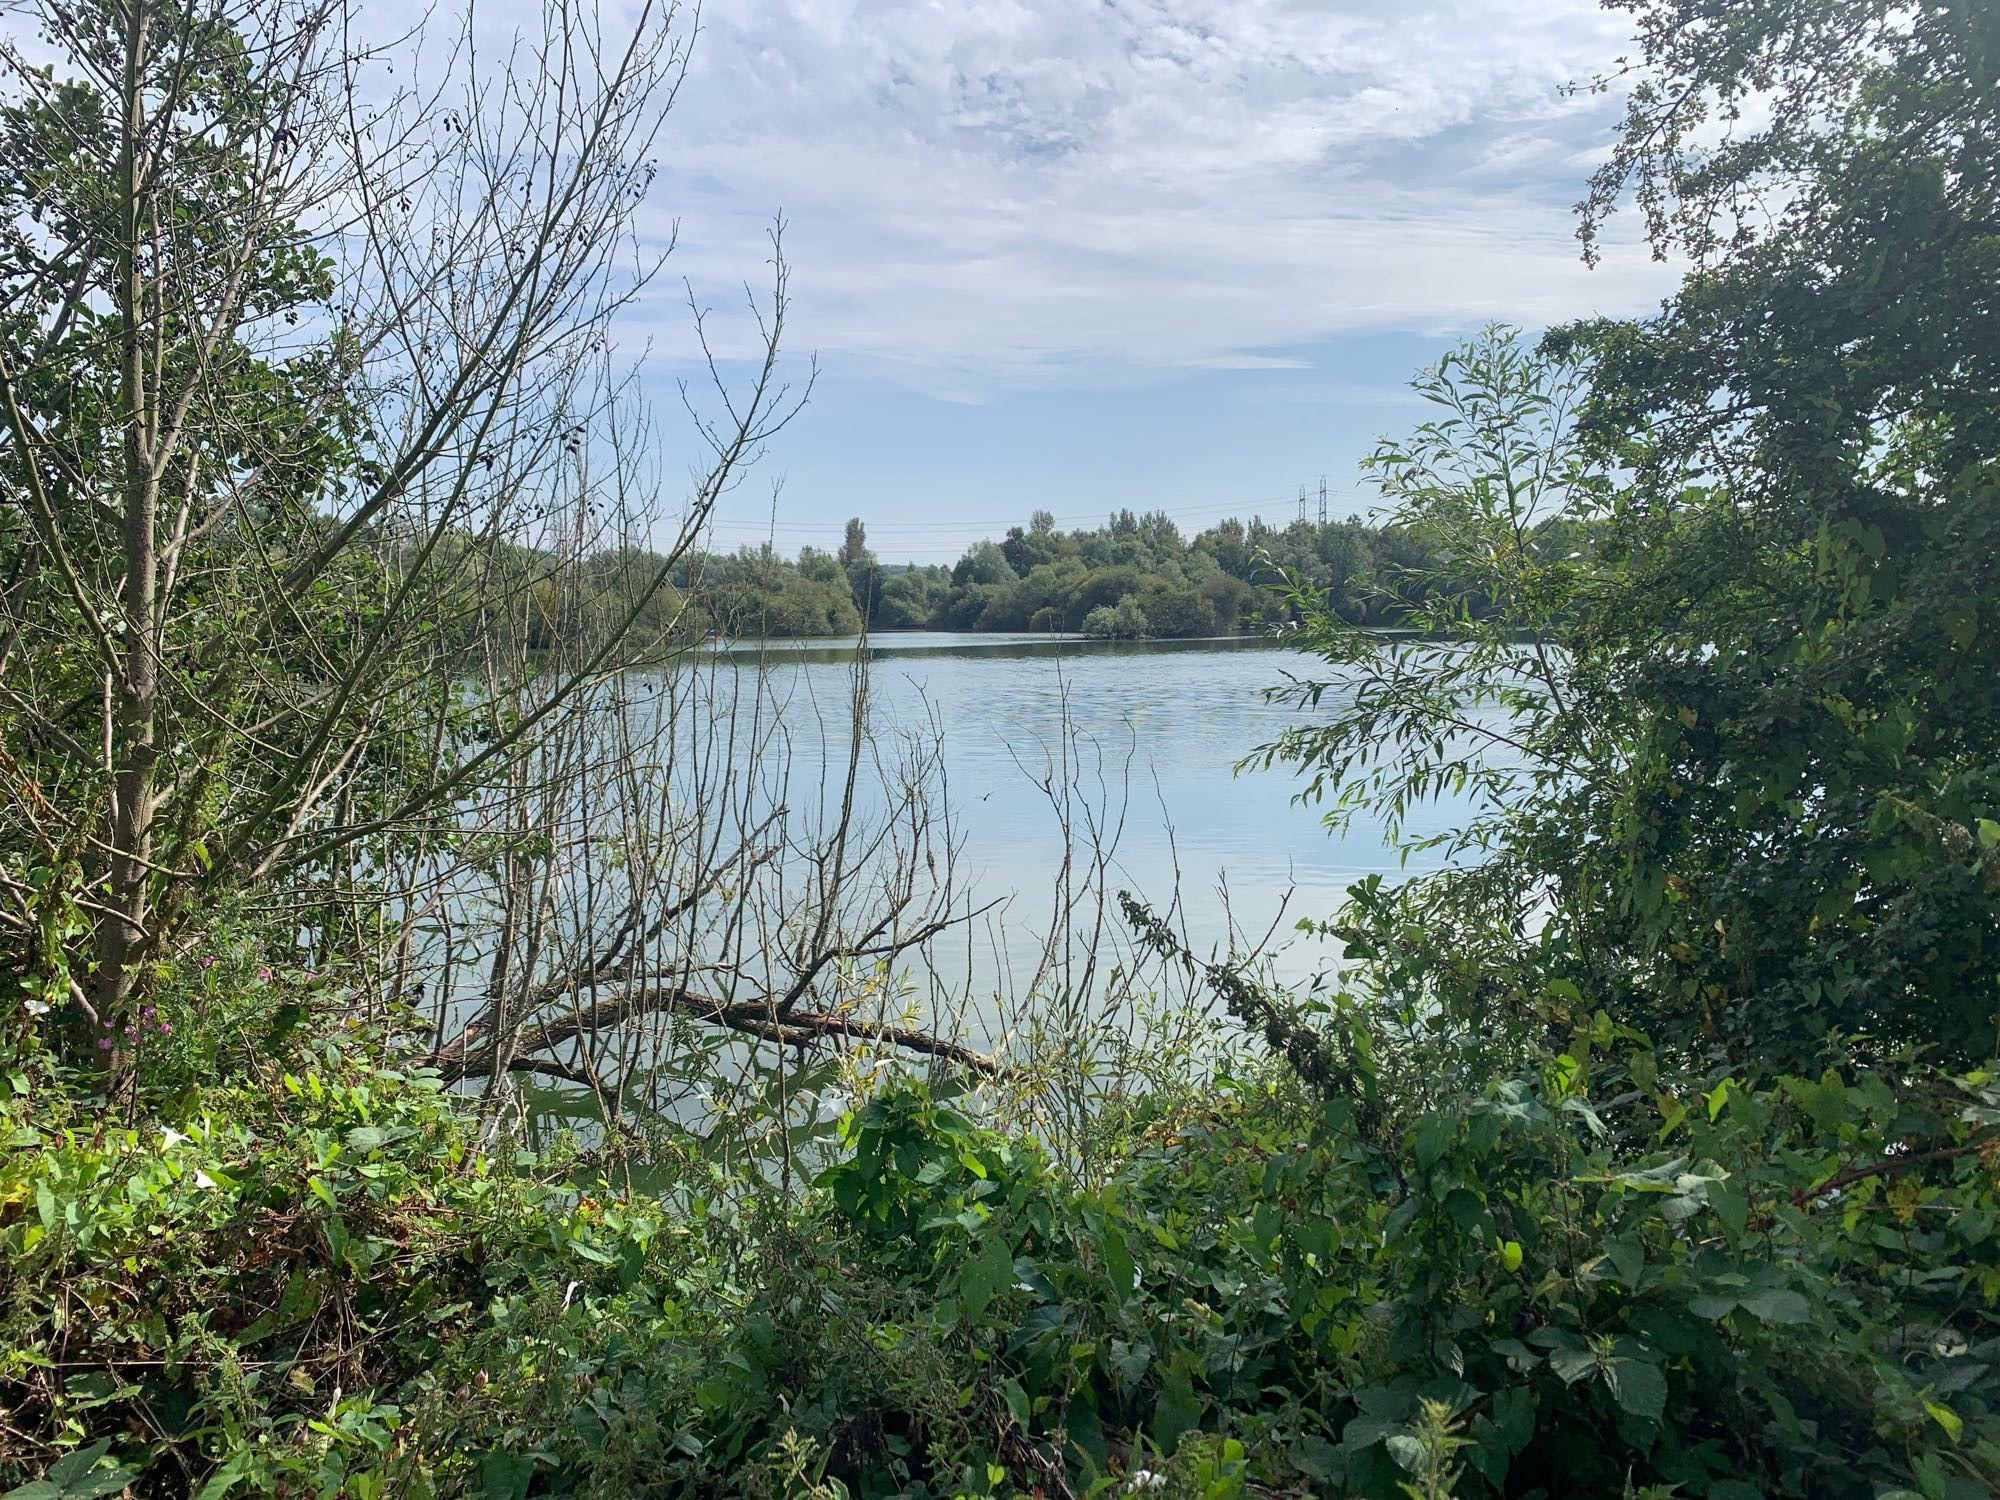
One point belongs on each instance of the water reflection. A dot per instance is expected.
(1162, 726)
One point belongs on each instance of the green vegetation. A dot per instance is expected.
(1650, 1149)
(1134, 576)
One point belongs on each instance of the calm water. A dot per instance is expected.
(1158, 727)
(1149, 735)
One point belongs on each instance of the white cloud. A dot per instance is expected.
(1050, 192)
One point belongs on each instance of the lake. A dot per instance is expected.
(1138, 740)
(1158, 728)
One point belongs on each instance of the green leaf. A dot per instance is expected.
(223, 1480)
(1118, 1267)
(984, 1275)
(1777, 1305)
(1945, 1417)
(1731, 1206)
(1176, 1412)
(1628, 1259)
(1086, 1432)
(1406, 1450)
(1638, 1387)
(1518, 1355)
(505, 1476)
(1018, 1405)
(72, 1467)
(1429, 1139)
(1129, 1361)
(1464, 1208)
(1824, 1102)
(1513, 1417)
(1572, 1365)
(366, 1138)
(77, 1476)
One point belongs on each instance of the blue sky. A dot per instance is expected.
(1081, 254)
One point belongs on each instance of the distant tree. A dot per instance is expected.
(1018, 550)
(1124, 620)
(1232, 600)
(1037, 577)
(1100, 587)
(1009, 606)
(1159, 530)
(820, 567)
(1027, 550)
(1229, 546)
(854, 544)
(863, 572)
(962, 607)
(906, 601)
(1176, 610)
(984, 562)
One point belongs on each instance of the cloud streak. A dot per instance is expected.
(1031, 193)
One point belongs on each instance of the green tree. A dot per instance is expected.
(292, 390)
(854, 543)
(1124, 620)
(984, 562)
(1815, 532)
(1742, 710)
(862, 571)
(1499, 695)
(907, 600)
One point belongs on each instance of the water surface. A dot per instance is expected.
(1155, 731)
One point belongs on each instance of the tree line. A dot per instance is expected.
(1136, 575)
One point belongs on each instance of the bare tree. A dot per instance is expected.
(664, 863)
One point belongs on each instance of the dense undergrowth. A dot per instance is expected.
(300, 1280)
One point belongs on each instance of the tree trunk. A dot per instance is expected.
(122, 931)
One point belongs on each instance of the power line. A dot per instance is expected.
(1215, 509)
(988, 523)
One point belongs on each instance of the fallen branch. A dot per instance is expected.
(473, 1053)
